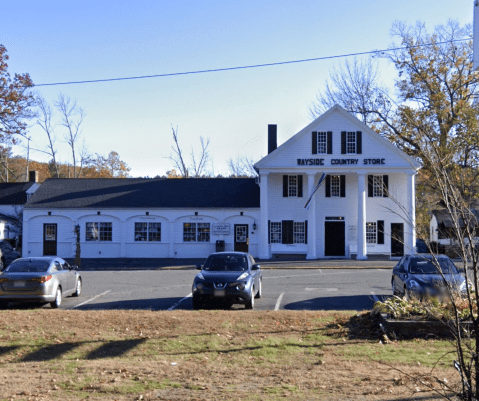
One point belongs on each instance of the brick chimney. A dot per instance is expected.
(272, 138)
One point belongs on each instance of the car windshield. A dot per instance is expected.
(226, 263)
(28, 266)
(426, 266)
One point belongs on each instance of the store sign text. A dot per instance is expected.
(336, 162)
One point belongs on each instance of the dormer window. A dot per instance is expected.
(351, 143)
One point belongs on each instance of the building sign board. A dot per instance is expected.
(221, 229)
(335, 162)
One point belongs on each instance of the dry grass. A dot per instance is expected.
(210, 355)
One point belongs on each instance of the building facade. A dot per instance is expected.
(364, 206)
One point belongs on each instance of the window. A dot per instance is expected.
(299, 232)
(292, 186)
(98, 231)
(196, 232)
(147, 231)
(371, 233)
(378, 186)
(275, 233)
(335, 186)
(322, 143)
(351, 142)
(335, 191)
(288, 232)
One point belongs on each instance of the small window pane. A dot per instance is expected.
(105, 231)
(275, 233)
(154, 232)
(91, 231)
(292, 185)
(335, 186)
(189, 232)
(371, 237)
(351, 142)
(203, 232)
(378, 185)
(298, 232)
(322, 142)
(140, 231)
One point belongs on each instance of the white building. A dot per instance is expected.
(364, 207)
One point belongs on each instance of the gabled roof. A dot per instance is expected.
(146, 193)
(14, 193)
(277, 153)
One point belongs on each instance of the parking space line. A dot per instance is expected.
(349, 272)
(91, 299)
(180, 301)
(278, 302)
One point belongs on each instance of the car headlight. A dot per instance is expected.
(243, 276)
(200, 276)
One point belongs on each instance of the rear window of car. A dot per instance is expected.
(426, 266)
(28, 266)
(226, 263)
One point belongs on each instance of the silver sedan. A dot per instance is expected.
(43, 279)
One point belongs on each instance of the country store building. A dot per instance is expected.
(364, 207)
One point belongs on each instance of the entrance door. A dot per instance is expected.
(397, 239)
(241, 238)
(49, 239)
(334, 238)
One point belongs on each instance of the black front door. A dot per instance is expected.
(397, 239)
(334, 238)
(49, 239)
(241, 238)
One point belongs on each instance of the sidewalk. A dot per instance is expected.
(186, 264)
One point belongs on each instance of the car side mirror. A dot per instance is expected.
(199, 267)
(255, 267)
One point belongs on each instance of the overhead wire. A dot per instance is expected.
(246, 66)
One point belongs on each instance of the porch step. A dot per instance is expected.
(374, 256)
(289, 256)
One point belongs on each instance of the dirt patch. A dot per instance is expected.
(206, 355)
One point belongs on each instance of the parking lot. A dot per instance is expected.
(293, 289)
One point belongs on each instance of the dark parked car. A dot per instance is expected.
(421, 246)
(7, 254)
(233, 277)
(417, 276)
(44, 280)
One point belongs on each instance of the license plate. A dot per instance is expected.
(219, 293)
(19, 283)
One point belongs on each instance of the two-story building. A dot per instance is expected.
(364, 206)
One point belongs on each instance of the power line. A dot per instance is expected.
(246, 66)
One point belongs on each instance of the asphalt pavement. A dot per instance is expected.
(99, 264)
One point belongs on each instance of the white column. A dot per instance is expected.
(122, 239)
(311, 219)
(362, 249)
(410, 227)
(263, 251)
(171, 248)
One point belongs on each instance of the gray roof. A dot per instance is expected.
(14, 193)
(146, 193)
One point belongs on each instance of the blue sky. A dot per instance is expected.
(61, 41)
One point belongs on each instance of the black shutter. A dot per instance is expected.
(343, 142)
(330, 143)
(328, 186)
(269, 231)
(314, 143)
(306, 232)
(385, 186)
(300, 186)
(359, 142)
(342, 186)
(287, 226)
(370, 186)
(380, 233)
(285, 186)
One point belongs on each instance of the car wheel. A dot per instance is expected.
(78, 288)
(196, 303)
(250, 302)
(58, 299)
(260, 289)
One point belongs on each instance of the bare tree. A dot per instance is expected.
(44, 120)
(71, 118)
(198, 163)
(242, 166)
